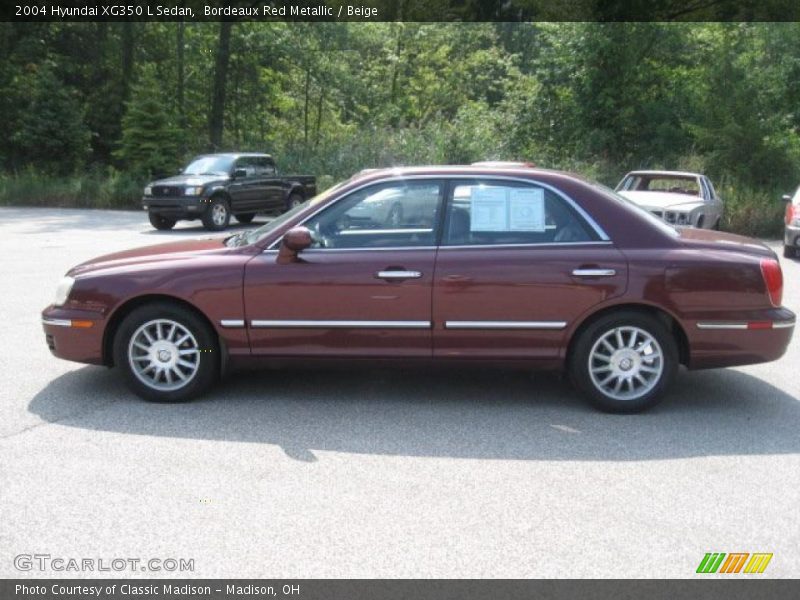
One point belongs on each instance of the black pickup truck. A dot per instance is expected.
(215, 186)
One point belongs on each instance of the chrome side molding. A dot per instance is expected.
(505, 324)
(281, 324)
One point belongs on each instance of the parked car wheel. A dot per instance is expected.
(295, 199)
(245, 217)
(167, 352)
(624, 362)
(789, 252)
(161, 223)
(701, 221)
(218, 214)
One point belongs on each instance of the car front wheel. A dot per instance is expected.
(167, 352)
(218, 214)
(161, 223)
(624, 362)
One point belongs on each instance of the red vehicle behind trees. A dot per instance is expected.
(508, 265)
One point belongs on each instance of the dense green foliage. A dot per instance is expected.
(95, 100)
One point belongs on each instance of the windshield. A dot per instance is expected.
(209, 165)
(662, 225)
(253, 235)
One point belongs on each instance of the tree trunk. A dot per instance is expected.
(305, 110)
(217, 115)
(181, 76)
(127, 57)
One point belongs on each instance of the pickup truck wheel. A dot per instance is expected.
(161, 223)
(245, 217)
(217, 215)
(295, 199)
(167, 353)
(624, 362)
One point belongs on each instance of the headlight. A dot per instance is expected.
(193, 191)
(63, 290)
(148, 191)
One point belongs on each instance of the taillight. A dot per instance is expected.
(773, 279)
(789, 213)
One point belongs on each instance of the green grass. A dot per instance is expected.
(93, 190)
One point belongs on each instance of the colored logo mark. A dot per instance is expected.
(736, 562)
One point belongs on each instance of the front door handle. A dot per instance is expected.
(398, 274)
(594, 272)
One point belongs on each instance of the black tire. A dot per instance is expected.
(161, 223)
(716, 225)
(218, 214)
(208, 359)
(701, 221)
(245, 217)
(293, 200)
(789, 252)
(579, 362)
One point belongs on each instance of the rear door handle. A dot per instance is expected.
(398, 274)
(594, 272)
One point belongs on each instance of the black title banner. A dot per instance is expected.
(402, 10)
(388, 589)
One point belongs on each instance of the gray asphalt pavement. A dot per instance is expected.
(375, 473)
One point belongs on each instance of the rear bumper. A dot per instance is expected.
(184, 207)
(756, 337)
(75, 335)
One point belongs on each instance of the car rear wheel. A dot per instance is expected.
(218, 214)
(624, 362)
(245, 217)
(167, 352)
(295, 200)
(161, 223)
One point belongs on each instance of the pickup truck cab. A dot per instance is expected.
(213, 187)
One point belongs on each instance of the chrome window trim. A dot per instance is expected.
(545, 245)
(338, 324)
(232, 323)
(445, 177)
(505, 325)
(57, 322)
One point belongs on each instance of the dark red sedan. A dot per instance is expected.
(507, 265)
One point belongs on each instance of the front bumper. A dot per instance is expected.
(175, 207)
(750, 338)
(74, 334)
(791, 236)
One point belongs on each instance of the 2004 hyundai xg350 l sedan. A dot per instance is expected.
(504, 265)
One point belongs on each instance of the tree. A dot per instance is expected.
(217, 115)
(50, 133)
(150, 136)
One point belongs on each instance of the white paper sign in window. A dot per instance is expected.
(526, 209)
(489, 209)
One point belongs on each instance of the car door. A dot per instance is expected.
(242, 188)
(713, 203)
(362, 290)
(519, 263)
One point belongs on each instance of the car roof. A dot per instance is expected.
(236, 154)
(666, 173)
(450, 170)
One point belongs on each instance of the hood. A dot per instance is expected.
(190, 180)
(718, 240)
(184, 249)
(663, 200)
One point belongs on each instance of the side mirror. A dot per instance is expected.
(294, 241)
(786, 198)
(239, 173)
